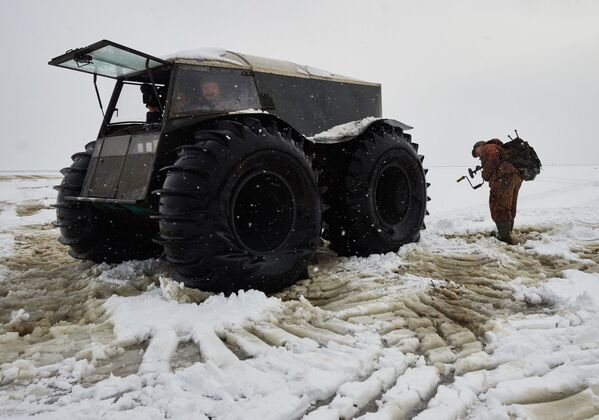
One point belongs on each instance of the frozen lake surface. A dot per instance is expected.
(458, 325)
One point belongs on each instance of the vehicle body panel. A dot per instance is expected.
(315, 105)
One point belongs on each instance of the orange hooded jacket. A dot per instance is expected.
(493, 160)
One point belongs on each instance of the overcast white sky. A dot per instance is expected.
(458, 71)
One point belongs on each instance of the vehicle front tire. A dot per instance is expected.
(240, 208)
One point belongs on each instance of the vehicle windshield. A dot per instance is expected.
(107, 58)
(208, 89)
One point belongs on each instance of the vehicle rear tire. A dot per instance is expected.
(111, 235)
(240, 208)
(375, 194)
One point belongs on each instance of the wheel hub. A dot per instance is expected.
(263, 211)
(392, 195)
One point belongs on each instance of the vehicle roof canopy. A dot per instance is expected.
(109, 59)
(216, 57)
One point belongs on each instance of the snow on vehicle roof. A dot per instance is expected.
(218, 57)
(209, 56)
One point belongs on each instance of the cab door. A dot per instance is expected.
(121, 167)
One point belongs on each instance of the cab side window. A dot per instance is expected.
(206, 89)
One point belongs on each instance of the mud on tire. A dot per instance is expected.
(240, 208)
(110, 234)
(375, 193)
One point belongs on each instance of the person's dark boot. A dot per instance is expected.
(504, 232)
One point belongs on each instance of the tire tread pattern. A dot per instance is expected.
(350, 225)
(194, 228)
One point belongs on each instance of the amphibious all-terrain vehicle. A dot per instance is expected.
(214, 158)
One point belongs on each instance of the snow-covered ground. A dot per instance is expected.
(458, 325)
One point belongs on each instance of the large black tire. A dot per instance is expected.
(375, 193)
(111, 234)
(240, 208)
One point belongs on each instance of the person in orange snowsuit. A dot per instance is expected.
(504, 182)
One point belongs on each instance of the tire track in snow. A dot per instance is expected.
(51, 310)
(404, 340)
(446, 323)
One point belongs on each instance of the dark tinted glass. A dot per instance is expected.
(315, 105)
(206, 89)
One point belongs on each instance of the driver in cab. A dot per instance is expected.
(210, 97)
(210, 94)
(206, 96)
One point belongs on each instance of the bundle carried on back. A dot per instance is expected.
(523, 157)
